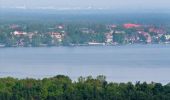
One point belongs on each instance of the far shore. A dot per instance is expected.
(79, 45)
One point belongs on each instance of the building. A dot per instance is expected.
(109, 38)
(57, 35)
(61, 27)
(87, 30)
(119, 32)
(19, 33)
(167, 37)
(111, 27)
(157, 31)
(146, 35)
(14, 26)
(129, 25)
(30, 35)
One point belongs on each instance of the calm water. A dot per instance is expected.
(118, 63)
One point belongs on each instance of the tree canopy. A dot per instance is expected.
(86, 88)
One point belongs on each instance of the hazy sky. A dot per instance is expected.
(112, 4)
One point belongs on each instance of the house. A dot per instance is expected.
(113, 26)
(59, 27)
(132, 39)
(87, 30)
(157, 31)
(14, 26)
(57, 35)
(30, 35)
(167, 37)
(119, 32)
(146, 35)
(19, 33)
(129, 25)
(110, 27)
(109, 37)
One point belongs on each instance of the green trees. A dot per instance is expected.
(86, 88)
(36, 40)
(119, 38)
(3, 38)
(77, 34)
(47, 39)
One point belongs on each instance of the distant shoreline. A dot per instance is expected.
(84, 45)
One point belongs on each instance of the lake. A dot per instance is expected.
(119, 63)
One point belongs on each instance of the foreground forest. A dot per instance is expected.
(63, 88)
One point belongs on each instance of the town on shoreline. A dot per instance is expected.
(43, 35)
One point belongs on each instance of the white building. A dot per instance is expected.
(56, 35)
(19, 33)
(167, 37)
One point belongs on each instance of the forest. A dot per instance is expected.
(62, 87)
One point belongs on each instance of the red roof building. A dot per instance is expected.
(129, 25)
(157, 31)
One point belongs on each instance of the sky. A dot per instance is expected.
(99, 4)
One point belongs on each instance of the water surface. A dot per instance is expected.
(118, 63)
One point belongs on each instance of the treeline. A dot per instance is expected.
(63, 88)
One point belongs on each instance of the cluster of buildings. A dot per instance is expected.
(148, 33)
(54, 34)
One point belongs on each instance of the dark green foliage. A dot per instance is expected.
(119, 38)
(77, 36)
(36, 40)
(62, 88)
